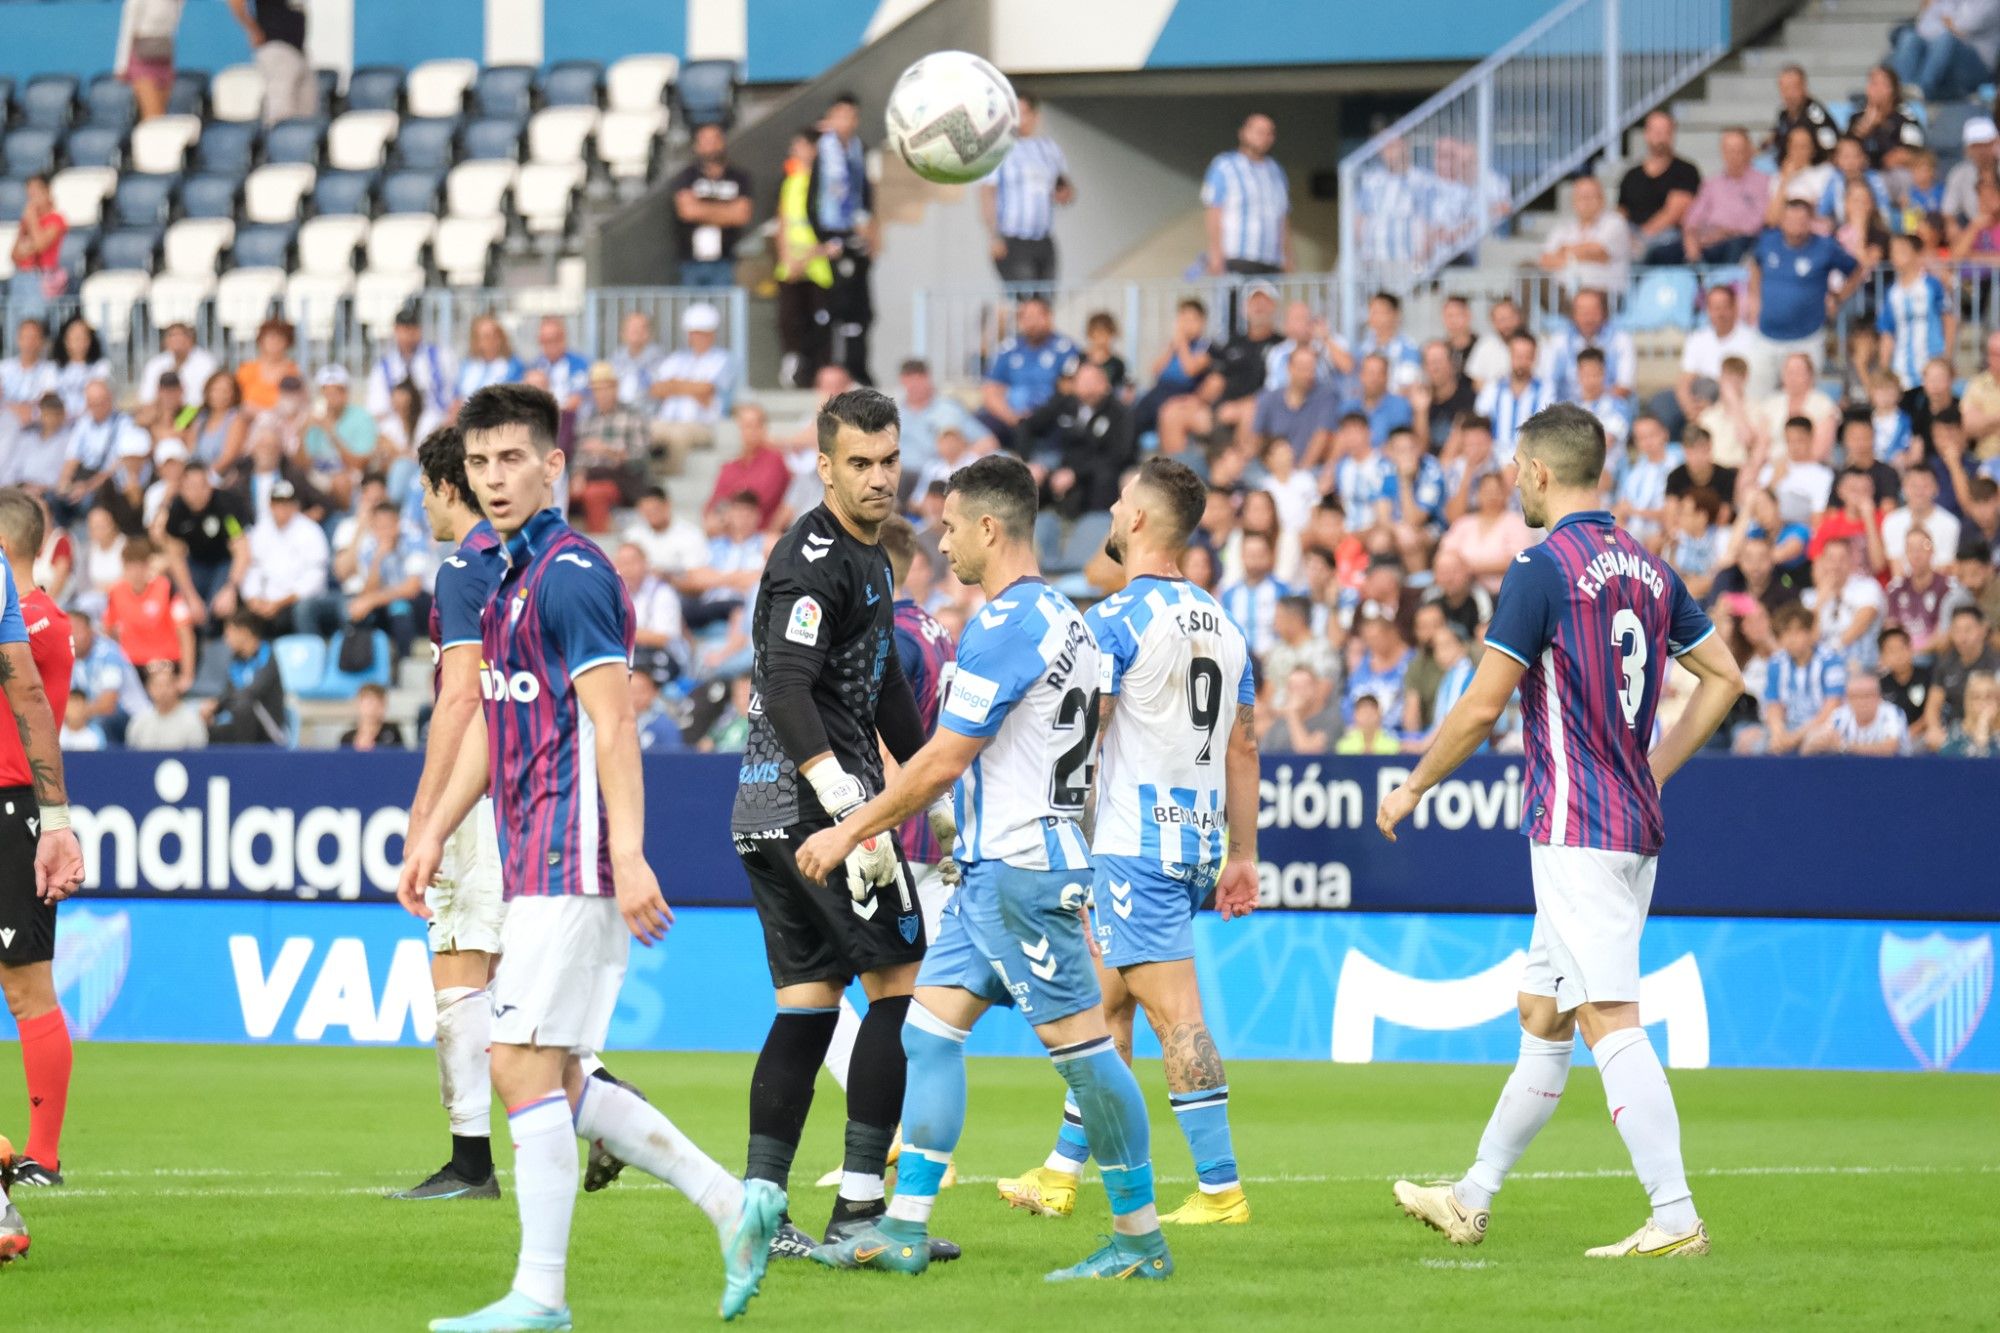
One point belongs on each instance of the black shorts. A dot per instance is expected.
(27, 923)
(816, 932)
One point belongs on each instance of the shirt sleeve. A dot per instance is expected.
(13, 626)
(1524, 614)
(1833, 677)
(1213, 184)
(585, 614)
(459, 603)
(995, 668)
(1246, 684)
(803, 605)
(1688, 624)
(1116, 647)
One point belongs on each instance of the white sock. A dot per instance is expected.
(642, 1136)
(465, 1080)
(1525, 1105)
(840, 1051)
(857, 1188)
(545, 1175)
(908, 1207)
(1139, 1222)
(1642, 1106)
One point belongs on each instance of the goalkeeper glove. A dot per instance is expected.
(872, 863)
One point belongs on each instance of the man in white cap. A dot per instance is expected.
(1961, 183)
(340, 435)
(693, 385)
(170, 458)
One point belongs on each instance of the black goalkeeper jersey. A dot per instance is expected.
(825, 674)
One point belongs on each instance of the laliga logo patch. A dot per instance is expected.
(803, 627)
(92, 954)
(1936, 991)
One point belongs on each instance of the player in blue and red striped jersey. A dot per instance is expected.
(1585, 625)
(557, 747)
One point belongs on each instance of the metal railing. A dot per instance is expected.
(1434, 184)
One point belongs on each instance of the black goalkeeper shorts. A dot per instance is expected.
(27, 924)
(817, 932)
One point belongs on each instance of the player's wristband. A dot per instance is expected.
(54, 818)
(840, 792)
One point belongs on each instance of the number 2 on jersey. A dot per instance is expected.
(1076, 713)
(1629, 636)
(1204, 702)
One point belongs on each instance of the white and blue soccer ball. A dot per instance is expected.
(952, 117)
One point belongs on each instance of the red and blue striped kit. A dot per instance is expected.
(928, 655)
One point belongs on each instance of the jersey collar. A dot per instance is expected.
(481, 538)
(535, 535)
(1597, 517)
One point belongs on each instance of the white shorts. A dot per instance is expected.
(562, 960)
(932, 894)
(1590, 909)
(466, 901)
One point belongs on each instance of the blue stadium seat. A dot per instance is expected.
(6, 98)
(13, 199)
(143, 200)
(1663, 298)
(108, 101)
(375, 88)
(424, 143)
(329, 89)
(412, 191)
(225, 146)
(573, 83)
(49, 101)
(268, 245)
(504, 92)
(706, 92)
(190, 93)
(31, 151)
(493, 139)
(344, 192)
(301, 660)
(95, 146)
(130, 247)
(211, 195)
(296, 140)
(79, 245)
(338, 684)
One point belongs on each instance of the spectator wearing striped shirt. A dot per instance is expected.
(1917, 316)
(1590, 315)
(1803, 685)
(840, 203)
(1384, 337)
(1861, 724)
(1641, 499)
(1019, 202)
(1248, 205)
(1251, 602)
(1393, 204)
(1594, 396)
(1509, 402)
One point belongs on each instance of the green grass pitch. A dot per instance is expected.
(225, 1188)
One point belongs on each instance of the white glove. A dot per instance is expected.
(873, 863)
(943, 817)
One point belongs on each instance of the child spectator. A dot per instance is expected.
(1803, 684)
(147, 617)
(372, 730)
(1366, 736)
(168, 722)
(1918, 318)
(80, 730)
(1699, 541)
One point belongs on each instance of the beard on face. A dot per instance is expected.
(1114, 548)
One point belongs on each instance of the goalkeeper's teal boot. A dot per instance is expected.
(512, 1313)
(1123, 1257)
(746, 1245)
(891, 1245)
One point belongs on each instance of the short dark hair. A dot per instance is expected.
(442, 459)
(1473, 421)
(1000, 485)
(1707, 501)
(500, 405)
(1790, 616)
(1356, 418)
(1591, 354)
(246, 619)
(1522, 335)
(1891, 632)
(869, 411)
(1298, 604)
(22, 525)
(1185, 493)
(1393, 301)
(1569, 440)
(844, 98)
(1193, 303)
(913, 366)
(653, 493)
(899, 542)
(1969, 609)
(1799, 423)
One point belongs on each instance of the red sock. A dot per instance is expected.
(45, 1057)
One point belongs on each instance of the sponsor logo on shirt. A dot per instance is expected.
(803, 627)
(971, 696)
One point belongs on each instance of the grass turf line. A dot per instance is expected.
(233, 1188)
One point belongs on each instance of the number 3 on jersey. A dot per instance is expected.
(1630, 637)
(1076, 716)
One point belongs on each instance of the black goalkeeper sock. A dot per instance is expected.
(875, 1076)
(781, 1089)
(471, 1158)
(606, 1075)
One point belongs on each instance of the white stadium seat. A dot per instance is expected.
(106, 299)
(546, 196)
(478, 189)
(625, 142)
(379, 296)
(243, 299)
(464, 246)
(194, 247)
(396, 242)
(636, 83)
(359, 140)
(237, 93)
(177, 297)
(312, 301)
(161, 144)
(561, 133)
(80, 193)
(437, 87)
(327, 245)
(275, 191)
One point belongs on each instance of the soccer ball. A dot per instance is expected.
(952, 116)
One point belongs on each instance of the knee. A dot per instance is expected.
(30, 994)
(1539, 1018)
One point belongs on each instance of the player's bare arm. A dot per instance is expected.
(605, 694)
(1718, 684)
(423, 848)
(927, 776)
(457, 704)
(58, 858)
(1463, 731)
(1236, 890)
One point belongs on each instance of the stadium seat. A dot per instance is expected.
(504, 92)
(178, 298)
(30, 151)
(190, 94)
(301, 660)
(329, 89)
(13, 199)
(493, 140)
(562, 134)
(338, 684)
(265, 246)
(313, 302)
(243, 299)
(107, 298)
(438, 87)
(706, 92)
(359, 140)
(80, 192)
(464, 249)
(396, 243)
(95, 146)
(300, 139)
(48, 101)
(237, 93)
(375, 88)
(143, 200)
(226, 146)
(380, 297)
(411, 191)
(546, 196)
(274, 192)
(194, 246)
(108, 102)
(130, 248)
(639, 83)
(161, 144)
(425, 143)
(327, 245)
(1663, 298)
(79, 249)
(345, 192)
(212, 195)
(629, 143)
(478, 189)
(573, 83)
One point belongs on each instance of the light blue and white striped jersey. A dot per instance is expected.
(1912, 314)
(1358, 483)
(1401, 354)
(1027, 685)
(1024, 188)
(1178, 669)
(1559, 351)
(1892, 434)
(1395, 207)
(1643, 485)
(1509, 408)
(843, 183)
(1254, 200)
(1833, 199)
(1252, 608)
(1612, 413)
(1800, 689)
(1452, 685)
(1429, 491)
(1888, 725)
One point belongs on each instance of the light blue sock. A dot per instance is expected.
(1204, 1119)
(1114, 1118)
(1072, 1148)
(933, 1112)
